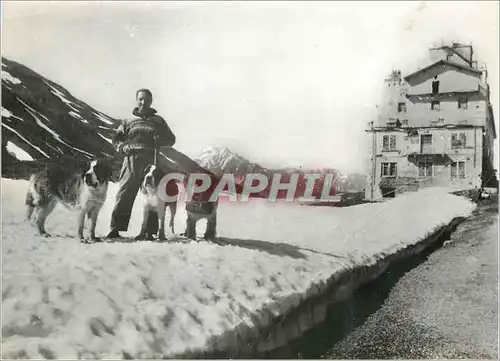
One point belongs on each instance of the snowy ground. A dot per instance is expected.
(64, 299)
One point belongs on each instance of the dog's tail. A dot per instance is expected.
(30, 200)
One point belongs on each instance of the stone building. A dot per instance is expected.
(435, 127)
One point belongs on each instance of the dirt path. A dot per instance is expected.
(447, 307)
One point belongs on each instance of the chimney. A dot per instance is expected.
(394, 77)
(464, 50)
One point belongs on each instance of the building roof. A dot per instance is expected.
(442, 62)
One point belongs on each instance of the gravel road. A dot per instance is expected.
(446, 307)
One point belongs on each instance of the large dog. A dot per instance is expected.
(200, 207)
(81, 186)
(197, 210)
(153, 203)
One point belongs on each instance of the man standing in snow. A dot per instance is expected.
(136, 139)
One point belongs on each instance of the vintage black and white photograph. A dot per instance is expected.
(249, 179)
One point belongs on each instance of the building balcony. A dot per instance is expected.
(426, 158)
(430, 97)
(425, 153)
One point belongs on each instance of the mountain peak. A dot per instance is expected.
(218, 149)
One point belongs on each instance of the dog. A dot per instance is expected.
(200, 207)
(197, 210)
(153, 203)
(80, 186)
(483, 194)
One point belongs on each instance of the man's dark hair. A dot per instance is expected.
(144, 90)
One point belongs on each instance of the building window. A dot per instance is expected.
(435, 105)
(401, 107)
(435, 85)
(458, 141)
(389, 169)
(389, 142)
(426, 143)
(458, 170)
(413, 133)
(425, 169)
(462, 104)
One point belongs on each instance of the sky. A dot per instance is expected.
(282, 83)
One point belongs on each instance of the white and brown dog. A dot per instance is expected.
(154, 205)
(83, 187)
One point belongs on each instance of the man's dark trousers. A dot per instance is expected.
(131, 175)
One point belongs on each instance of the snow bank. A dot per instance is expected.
(104, 118)
(62, 97)
(64, 299)
(106, 139)
(35, 115)
(76, 115)
(9, 78)
(6, 113)
(23, 138)
(17, 151)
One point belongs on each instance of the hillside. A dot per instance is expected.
(41, 120)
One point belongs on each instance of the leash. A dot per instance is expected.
(155, 156)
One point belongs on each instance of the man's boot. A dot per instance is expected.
(114, 234)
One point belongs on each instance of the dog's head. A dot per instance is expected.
(96, 173)
(152, 177)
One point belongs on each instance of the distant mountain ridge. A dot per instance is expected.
(220, 159)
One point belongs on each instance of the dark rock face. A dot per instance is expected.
(42, 120)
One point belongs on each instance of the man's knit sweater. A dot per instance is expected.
(139, 133)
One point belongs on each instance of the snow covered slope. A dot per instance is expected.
(64, 299)
(44, 120)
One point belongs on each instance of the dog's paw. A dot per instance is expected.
(46, 235)
(189, 233)
(209, 237)
(140, 237)
(149, 237)
(90, 240)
